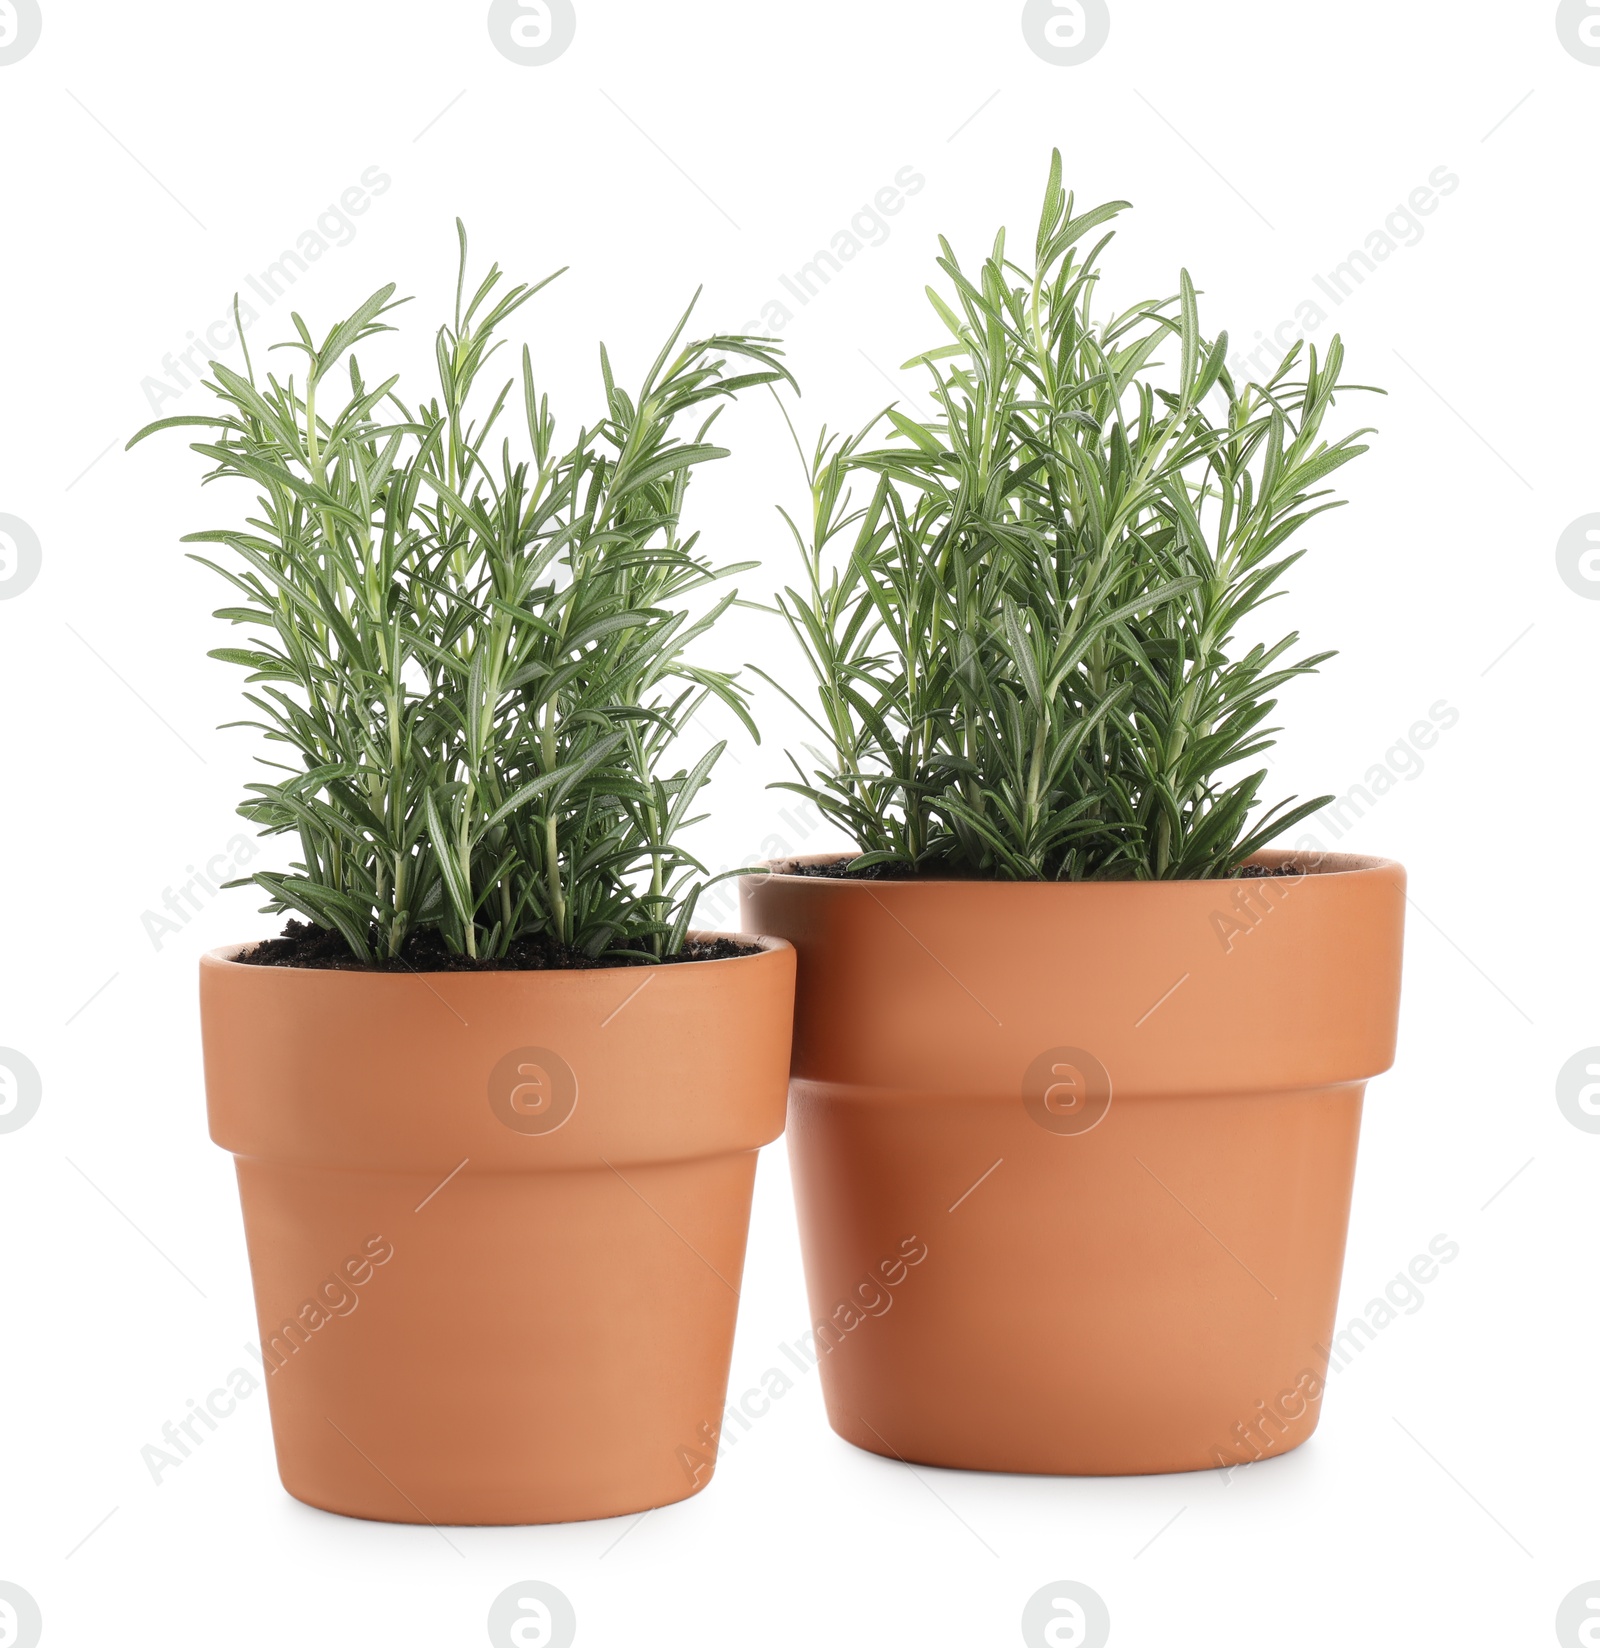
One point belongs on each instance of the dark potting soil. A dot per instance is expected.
(839, 870)
(303, 945)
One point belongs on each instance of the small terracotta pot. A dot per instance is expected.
(1118, 1119)
(497, 1223)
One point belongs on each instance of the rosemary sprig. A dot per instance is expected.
(1022, 637)
(472, 645)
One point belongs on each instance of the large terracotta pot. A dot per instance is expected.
(497, 1223)
(1117, 1121)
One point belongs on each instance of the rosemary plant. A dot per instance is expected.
(474, 646)
(1023, 637)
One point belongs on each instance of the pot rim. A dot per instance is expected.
(1317, 864)
(225, 957)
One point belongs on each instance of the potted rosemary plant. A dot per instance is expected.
(495, 1105)
(1064, 1016)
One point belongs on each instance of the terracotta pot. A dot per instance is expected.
(497, 1223)
(1118, 1123)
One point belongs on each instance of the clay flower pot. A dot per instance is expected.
(1119, 1120)
(497, 1222)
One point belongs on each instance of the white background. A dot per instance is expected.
(1450, 1492)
